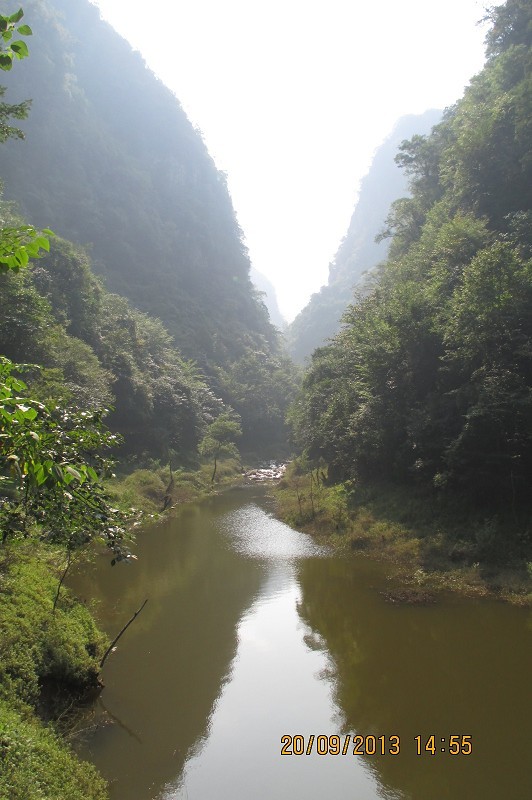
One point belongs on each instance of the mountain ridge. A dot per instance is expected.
(358, 252)
(111, 161)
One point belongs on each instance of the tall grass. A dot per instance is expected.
(426, 544)
(48, 659)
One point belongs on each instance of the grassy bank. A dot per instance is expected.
(151, 489)
(48, 662)
(428, 549)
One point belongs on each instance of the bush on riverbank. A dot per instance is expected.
(39, 646)
(429, 546)
(48, 659)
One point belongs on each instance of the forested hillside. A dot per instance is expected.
(359, 252)
(111, 162)
(429, 384)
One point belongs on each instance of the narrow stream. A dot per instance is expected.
(252, 633)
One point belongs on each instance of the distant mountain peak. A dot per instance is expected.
(358, 252)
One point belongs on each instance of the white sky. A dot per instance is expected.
(294, 96)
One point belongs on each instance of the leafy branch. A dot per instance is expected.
(51, 465)
(20, 244)
(16, 49)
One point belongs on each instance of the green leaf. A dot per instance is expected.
(25, 30)
(43, 243)
(40, 475)
(57, 473)
(20, 48)
(17, 16)
(18, 385)
(73, 472)
(27, 411)
(6, 62)
(93, 475)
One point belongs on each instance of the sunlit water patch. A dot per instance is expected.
(278, 685)
(257, 534)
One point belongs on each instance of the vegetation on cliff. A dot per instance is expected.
(110, 161)
(428, 385)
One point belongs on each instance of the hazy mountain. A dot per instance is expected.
(358, 251)
(111, 161)
(269, 296)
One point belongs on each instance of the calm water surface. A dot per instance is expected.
(252, 632)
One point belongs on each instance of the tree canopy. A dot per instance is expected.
(429, 381)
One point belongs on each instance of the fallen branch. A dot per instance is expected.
(63, 576)
(124, 629)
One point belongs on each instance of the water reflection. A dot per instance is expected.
(255, 533)
(460, 667)
(276, 687)
(163, 681)
(252, 632)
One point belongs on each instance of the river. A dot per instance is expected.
(252, 633)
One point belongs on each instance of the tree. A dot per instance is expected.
(220, 439)
(511, 26)
(17, 244)
(428, 384)
(9, 51)
(49, 456)
(52, 460)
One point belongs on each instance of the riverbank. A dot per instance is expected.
(50, 648)
(151, 491)
(427, 550)
(249, 624)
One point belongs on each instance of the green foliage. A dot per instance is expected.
(19, 245)
(48, 486)
(41, 650)
(51, 464)
(98, 352)
(148, 490)
(428, 384)
(37, 765)
(9, 111)
(162, 229)
(12, 49)
(9, 51)
(511, 26)
(142, 490)
(221, 434)
(259, 386)
(220, 438)
(424, 542)
(40, 646)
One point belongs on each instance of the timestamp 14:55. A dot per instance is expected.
(453, 745)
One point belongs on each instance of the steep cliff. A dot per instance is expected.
(358, 252)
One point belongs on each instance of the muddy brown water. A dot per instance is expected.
(252, 633)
